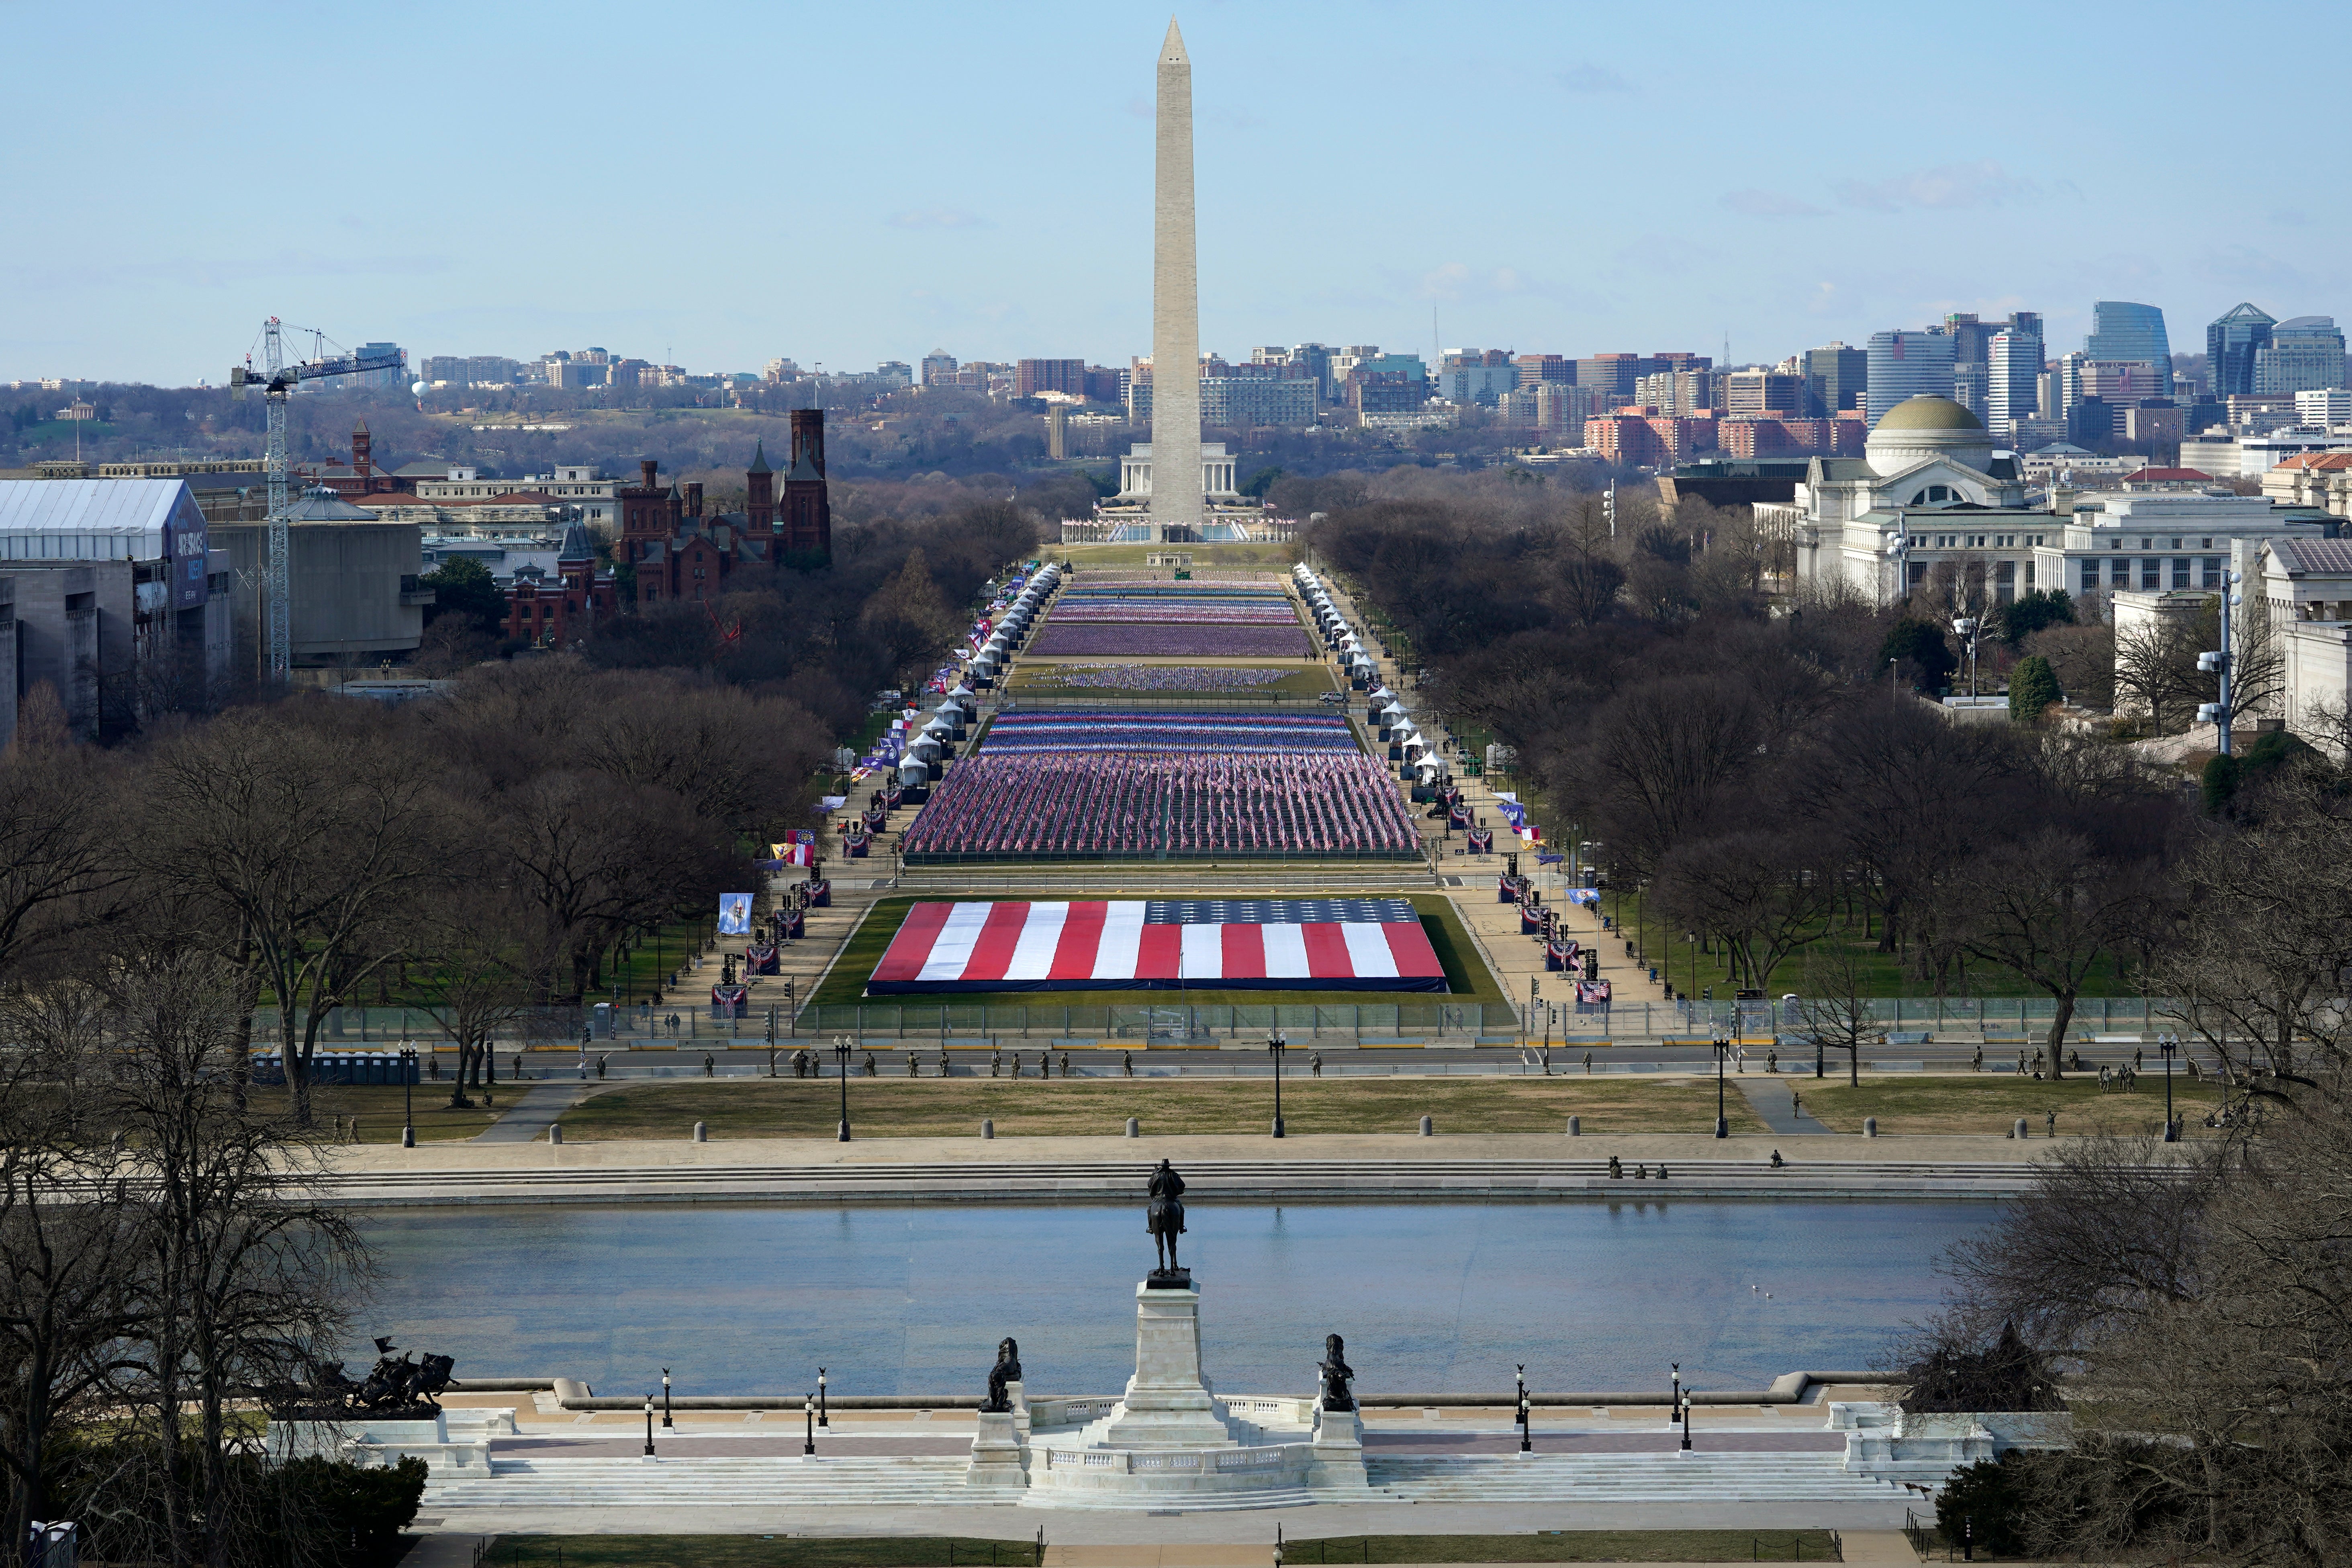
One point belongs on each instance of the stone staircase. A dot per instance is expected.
(933, 1480)
(1668, 1477)
(888, 1481)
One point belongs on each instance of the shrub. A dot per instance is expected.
(2033, 688)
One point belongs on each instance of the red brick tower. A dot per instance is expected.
(808, 507)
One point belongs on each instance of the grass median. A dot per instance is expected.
(373, 1113)
(1574, 1546)
(1034, 1107)
(1989, 1104)
(756, 1552)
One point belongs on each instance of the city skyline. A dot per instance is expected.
(976, 184)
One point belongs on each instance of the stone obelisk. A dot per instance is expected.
(1175, 307)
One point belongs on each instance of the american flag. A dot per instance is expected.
(1286, 945)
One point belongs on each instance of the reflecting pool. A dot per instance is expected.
(1436, 1298)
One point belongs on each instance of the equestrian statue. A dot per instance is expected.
(1165, 1219)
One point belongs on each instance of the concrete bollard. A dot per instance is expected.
(1870, 1127)
(1428, 1127)
(555, 1133)
(702, 1132)
(1134, 1128)
(2020, 1131)
(988, 1127)
(1576, 1127)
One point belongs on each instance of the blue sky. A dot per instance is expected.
(719, 183)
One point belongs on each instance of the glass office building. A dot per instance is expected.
(2230, 345)
(2304, 354)
(1907, 364)
(2123, 331)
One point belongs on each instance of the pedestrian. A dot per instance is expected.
(1588, 1063)
(2050, 1123)
(433, 1068)
(518, 1067)
(871, 1070)
(600, 1065)
(943, 1062)
(708, 1066)
(913, 1068)
(1127, 1063)
(1739, 1059)
(1976, 1063)
(1772, 1062)
(1044, 1065)
(1314, 1063)
(2020, 1061)
(1796, 1101)
(1065, 1064)
(996, 1060)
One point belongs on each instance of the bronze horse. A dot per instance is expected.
(1165, 1219)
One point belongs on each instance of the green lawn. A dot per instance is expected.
(1466, 975)
(1883, 973)
(1989, 1104)
(371, 1112)
(1030, 1106)
(1574, 1546)
(756, 1552)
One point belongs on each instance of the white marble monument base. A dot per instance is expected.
(1337, 1457)
(996, 1452)
(1168, 1404)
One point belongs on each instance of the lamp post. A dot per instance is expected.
(1686, 1409)
(821, 1418)
(649, 1426)
(1525, 1446)
(407, 1096)
(772, 1039)
(842, 1046)
(1722, 1118)
(1275, 1045)
(665, 1422)
(808, 1412)
(1675, 1414)
(2168, 1044)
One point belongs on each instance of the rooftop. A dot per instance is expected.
(1927, 413)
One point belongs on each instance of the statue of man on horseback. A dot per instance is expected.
(1165, 1219)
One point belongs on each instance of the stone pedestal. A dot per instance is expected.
(1337, 1458)
(996, 1452)
(1168, 1403)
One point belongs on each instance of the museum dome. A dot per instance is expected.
(1925, 413)
(1920, 429)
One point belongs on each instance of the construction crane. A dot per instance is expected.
(278, 381)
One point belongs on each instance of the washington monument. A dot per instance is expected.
(1175, 307)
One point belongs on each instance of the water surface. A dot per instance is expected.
(1438, 1298)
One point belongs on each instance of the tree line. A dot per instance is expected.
(1761, 774)
(165, 1281)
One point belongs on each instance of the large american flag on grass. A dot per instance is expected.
(1262, 944)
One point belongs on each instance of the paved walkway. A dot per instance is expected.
(540, 1107)
(1779, 1105)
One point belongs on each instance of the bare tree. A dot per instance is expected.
(242, 1281)
(302, 843)
(63, 862)
(1832, 1012)
(68, 1249)
(1764, 890)
(2046, 908)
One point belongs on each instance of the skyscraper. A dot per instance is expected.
(1836, 376)
(2230, 345)
(1175, 305)
(2305, 354)
(2123, 331)
(1906, 365)
(2013, 374)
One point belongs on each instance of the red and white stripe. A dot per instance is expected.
(943, 943)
